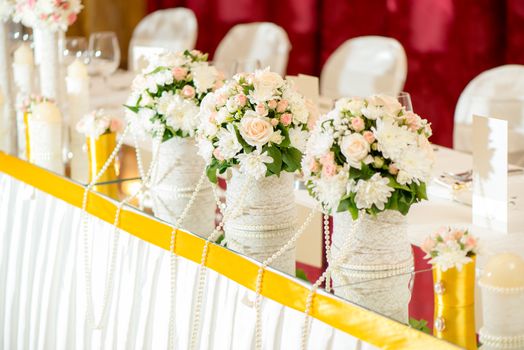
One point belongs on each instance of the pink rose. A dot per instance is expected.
(188, 91)
(241, 100)
(282, 106)
(221, 100)
(71, 18)
(217, 154)
(313, 165)
(261, 110)
(116, 125)
(329, 170)
(328, 158)
(272, 104)
(358, 124)
(471, 242)
(369, 136)
(218, 84)
(286, 119)
(274, 121)
(393, 170)
(179, 73)
(412, 120)
(454, 235)
(428, 245)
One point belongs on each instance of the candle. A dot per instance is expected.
(77, 70)
(24, 55)
(23, 66)
(45, 137)
(77, 81)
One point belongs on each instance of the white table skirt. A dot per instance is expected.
(42, 293)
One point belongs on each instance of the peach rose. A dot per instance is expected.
(217, 154)
(286, 119)
(369, 136)
(282, 106)
(329, 170)
(179, 73)
(116, 125)
(256, 130)
(358, 124)
(355, 148)
(241, 100)
(428, 245)
(261, 110)
(272, 104)
(188, 91)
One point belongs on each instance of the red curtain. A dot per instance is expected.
(448, 42)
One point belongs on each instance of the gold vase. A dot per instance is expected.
(98, 151)
(455, 305)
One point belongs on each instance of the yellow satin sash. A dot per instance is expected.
(455, 305)
(98, 151)
(372, 328)
(27, 143)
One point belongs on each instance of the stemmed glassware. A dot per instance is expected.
(104, 54)
(405, 100)
(75, 48)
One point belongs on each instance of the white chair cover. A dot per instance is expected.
(364, 66)
(172, 29)
(263, 41)
(497, 92)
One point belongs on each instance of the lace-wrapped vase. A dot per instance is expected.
(45, 144)
(47, 57)
(267, 220)
(375, 273)
(177, 173)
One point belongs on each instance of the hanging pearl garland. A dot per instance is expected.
(327, 244)
(263, 267)
(229, 213)
(339, 259)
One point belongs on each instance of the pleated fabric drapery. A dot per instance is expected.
(42, 289)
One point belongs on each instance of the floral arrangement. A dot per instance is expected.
(449, 247)
(7, 8)
(167, 95)
(26, 104)
(368, 155)
(257, 122)
(57, 15)
(97, 123)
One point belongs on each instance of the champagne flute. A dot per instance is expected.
(104, 54)
(246, 66)
(405, 100)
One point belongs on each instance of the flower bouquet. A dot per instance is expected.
(452, 253)
(256, 125)
(164, 105)
(367, 161)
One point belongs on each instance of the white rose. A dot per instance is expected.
(256, 130)
(355, 107)
(231, 105)
(300, 112)
(265, 84)
(355, 148)
(204, 77)
(298, 138)
(276, 138)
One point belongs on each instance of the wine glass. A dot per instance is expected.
(246, 66)
(75, 48)
(405, 100)
(104, 54)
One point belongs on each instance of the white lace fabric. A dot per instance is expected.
(178, 170)
(46, 145)
(267, 220)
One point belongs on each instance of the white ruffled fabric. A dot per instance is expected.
(379, 250)
(42, 298)
(177, 172)
(267, 220)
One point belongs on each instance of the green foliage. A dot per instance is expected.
(276, 166)
(301, 274)
(420, 325)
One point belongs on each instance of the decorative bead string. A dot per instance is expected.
(502, 290)
(339, 259)
(327, 244)
(229, 213)
(260, 274)
(389, 271)
(173, 261)
(501, 341)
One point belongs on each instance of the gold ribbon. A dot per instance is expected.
(98, 151)
(455, 305)
(27, 143)
(372, 328)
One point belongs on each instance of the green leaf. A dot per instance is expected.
(276, 166)
(344, 205)
(421, 191)
(286, 142)
(292, 158)
(393, 183)
(299, 273)
(133, 109)
(247, 147)
(157, 69)
(420, 325)
(211, 171)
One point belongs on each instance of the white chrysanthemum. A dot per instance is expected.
(300, 112)
(254, 163)
(204, 76)
(319, 143)
(180, 113)
(329, 190)
(450, 255)
(164, 77)
(228, 144)
(414, 166)
(392, 138)
(298, 138)
(375, 191)
(205, 149)
(145, 115)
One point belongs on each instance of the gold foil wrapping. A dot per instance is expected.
(27, 147)
(455, 305)
(98, 151)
